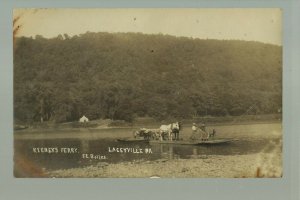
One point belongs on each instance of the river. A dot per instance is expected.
(249, 139)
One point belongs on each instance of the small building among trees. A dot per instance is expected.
(83, 119)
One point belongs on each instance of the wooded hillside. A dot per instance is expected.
(127, 75)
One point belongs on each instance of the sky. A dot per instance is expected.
(256, 24)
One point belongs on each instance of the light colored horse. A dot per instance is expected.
(169, 129)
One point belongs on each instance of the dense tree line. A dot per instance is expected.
(128, 75)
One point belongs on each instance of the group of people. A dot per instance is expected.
(171, 132)
(165, 132)
(200, 132)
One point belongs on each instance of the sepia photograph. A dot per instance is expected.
(147, 93)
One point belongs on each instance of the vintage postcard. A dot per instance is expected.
(151, 93)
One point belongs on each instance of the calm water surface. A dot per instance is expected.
(252, 138)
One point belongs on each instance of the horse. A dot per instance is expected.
(170, 129)
(146, 133)
(176, 131)
(212, 134)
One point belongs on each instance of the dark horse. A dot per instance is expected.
(176, 131)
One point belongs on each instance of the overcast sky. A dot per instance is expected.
(263, 25)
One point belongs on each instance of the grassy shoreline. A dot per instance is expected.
(149, 123)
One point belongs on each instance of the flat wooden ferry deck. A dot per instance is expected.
(197, 142)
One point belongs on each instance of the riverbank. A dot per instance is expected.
(73, 127)
(230, 166)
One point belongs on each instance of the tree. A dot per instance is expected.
(123, 75)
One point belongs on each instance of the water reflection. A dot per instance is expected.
(166, 151)
(85, 147)
(195, 151)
